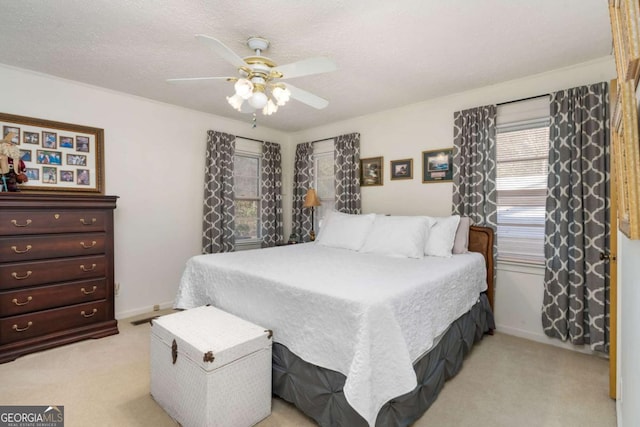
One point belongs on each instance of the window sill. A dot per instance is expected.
(526, 267)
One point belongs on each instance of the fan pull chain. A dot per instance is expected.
(255, 121)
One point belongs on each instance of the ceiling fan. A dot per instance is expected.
(259, 78)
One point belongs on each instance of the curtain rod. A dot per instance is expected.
(250, 139)
(523, 99)
(323, 139)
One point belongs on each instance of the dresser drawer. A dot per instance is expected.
(31, 325)
(44, 297)
(15, 249)
(14, 222)
(22, 274)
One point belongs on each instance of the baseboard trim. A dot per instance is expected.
(138, 311)
(545, 340)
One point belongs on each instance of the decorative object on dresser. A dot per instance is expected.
(56, 270)
(311, 201)
(60, 157)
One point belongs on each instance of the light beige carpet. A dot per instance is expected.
(505, 381)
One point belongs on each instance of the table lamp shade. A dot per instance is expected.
(311, 199)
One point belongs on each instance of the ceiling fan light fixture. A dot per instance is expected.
(281, 94)
(235, 101)
(244, 88)
(258, 100)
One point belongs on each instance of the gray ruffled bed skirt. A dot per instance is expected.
(318, 391)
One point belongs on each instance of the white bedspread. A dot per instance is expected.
(364, 315)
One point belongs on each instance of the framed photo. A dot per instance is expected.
(48, 157)
(66, 176)
(49, 175)
(66, 141)
(25, 155)
(82, 144)
(49, 140)
(33, 174)
(6, 129)
(437, 165)
(371, 171)
(62, 157)
(402, 169)
(31, 138)
(77, 159)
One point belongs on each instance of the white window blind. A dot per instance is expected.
(247, 195)
(324, 179)
(522, 169)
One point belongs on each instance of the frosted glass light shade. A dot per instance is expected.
(258, 100)
(270, 108)
(281, 95)
(244, 88)
(235, 101)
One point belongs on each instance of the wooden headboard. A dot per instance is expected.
(481, 240)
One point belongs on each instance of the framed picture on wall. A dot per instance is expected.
(402, 169)
(437, 165)
(61, 157)
(371, 171)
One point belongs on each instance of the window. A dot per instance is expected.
(324, 179)
(522, 169)
(246, 175)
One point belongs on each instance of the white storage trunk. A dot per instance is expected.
(210, 368)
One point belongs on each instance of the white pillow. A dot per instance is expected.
(346, 231)
(461, 241)
(442, 236)
(398, 236)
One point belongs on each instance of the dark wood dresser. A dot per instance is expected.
(56, 271)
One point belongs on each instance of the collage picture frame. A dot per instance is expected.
(59, 157)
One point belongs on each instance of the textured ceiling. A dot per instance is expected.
(388, 53)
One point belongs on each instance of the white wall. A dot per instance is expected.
(628, 332)
(407, 131)
(154, 161)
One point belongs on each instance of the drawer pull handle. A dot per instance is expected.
(83, 268)
(15, 301)
(95, 310)
(85, 222)
(88, 292)
(15, 223)
(18, 251)
(15, 327)
(15, 275)
(93, 243)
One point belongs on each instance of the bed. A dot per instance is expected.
(357, 337)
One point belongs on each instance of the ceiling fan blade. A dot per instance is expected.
(195, 79)
(307, 67)
(307, 97)
(221, 49)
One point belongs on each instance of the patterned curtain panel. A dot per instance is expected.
(302, 176)
(474, 165)
(219, 211)
(474, 168)
(577, 226)
(347, 173)
(271, 211)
